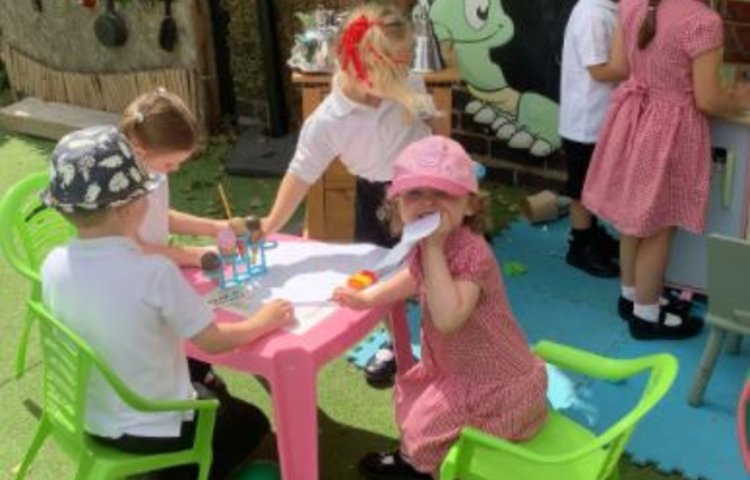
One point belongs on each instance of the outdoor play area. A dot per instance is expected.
(251, 82)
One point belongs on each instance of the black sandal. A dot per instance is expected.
(641, 329)
(389, 466)
(380, 370)
(677, 306)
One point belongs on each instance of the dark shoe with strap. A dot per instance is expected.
(588, 258)
(380, 370)
(677, 306)
(641, 329)
(606, 243)
(388, 466)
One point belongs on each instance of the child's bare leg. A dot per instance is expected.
(580, 218)
(650, 264)
(628, 249)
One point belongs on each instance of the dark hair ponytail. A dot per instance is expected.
(648, 27)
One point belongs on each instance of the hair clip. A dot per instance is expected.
(139, 117)
(161, 90)
(480, 171)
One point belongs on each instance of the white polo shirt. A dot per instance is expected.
(588, 41)
(154, 229)
(367, 139)
(134, 310)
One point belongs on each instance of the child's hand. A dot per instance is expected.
(350, 298)
(193, 254)
(275, 314)
(448, 222)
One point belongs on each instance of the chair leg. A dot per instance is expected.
(204, 469)
(706, 366)
(86, 468)
(23, 342)
(615, 474)
(41, 434)
(734, 343)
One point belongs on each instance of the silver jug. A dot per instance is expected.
(426, 49)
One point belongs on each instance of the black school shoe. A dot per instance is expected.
(589, 258)
(644, 330)
(677, 306)
(607, 244)
(380, 370)
(388, 466)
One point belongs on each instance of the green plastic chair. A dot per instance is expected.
(728, 305)
(28, 231)
(563, 448)
(68, 362)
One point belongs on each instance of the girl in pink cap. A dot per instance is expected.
(651, 166)
(476, 367)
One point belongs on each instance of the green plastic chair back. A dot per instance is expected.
(68, 362)
(728, 306)
(729, 302)
(28, 231)
(563, 448)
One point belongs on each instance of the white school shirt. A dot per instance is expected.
(154, 229)
(367, 139)
(134, 310)
(588, 41)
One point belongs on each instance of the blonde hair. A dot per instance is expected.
(159, 121)
(374, 48)
(478, 222)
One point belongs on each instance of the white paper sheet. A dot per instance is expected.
(413, 232)
(305, 273)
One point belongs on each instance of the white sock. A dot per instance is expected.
(649, 313)
(628, 293)
(672, 320)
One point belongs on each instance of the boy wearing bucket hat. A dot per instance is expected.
(476, 366)
(136, 310)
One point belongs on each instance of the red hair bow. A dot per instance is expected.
(349, 46)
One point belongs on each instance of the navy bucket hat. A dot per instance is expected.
(94, 169)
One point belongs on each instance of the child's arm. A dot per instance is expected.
(398, 287)
(186, 224)
(451, 302)
(710, 97)
(616, 68)
(225, 336)
(291, 192)
(182, 255)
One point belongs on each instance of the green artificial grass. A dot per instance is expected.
(353, 418)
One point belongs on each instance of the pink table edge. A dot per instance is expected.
(290, 361)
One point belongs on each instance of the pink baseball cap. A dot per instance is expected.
(435, 162)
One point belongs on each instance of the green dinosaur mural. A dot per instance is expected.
(525, 120)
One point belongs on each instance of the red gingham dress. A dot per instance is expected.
(482, 375)
(651, 165)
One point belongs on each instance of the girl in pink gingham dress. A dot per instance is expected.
(476, 367)
(650, 170)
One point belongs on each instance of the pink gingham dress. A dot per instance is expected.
(651, 166)
(482, 375)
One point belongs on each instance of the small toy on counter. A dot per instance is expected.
(240, 258)
(362, 280)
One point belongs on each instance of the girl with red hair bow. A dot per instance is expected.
(374, 110)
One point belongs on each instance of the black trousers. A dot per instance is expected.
(368, 227)
(578, 158)
(239, 429)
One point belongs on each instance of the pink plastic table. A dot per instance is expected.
(290, 362)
